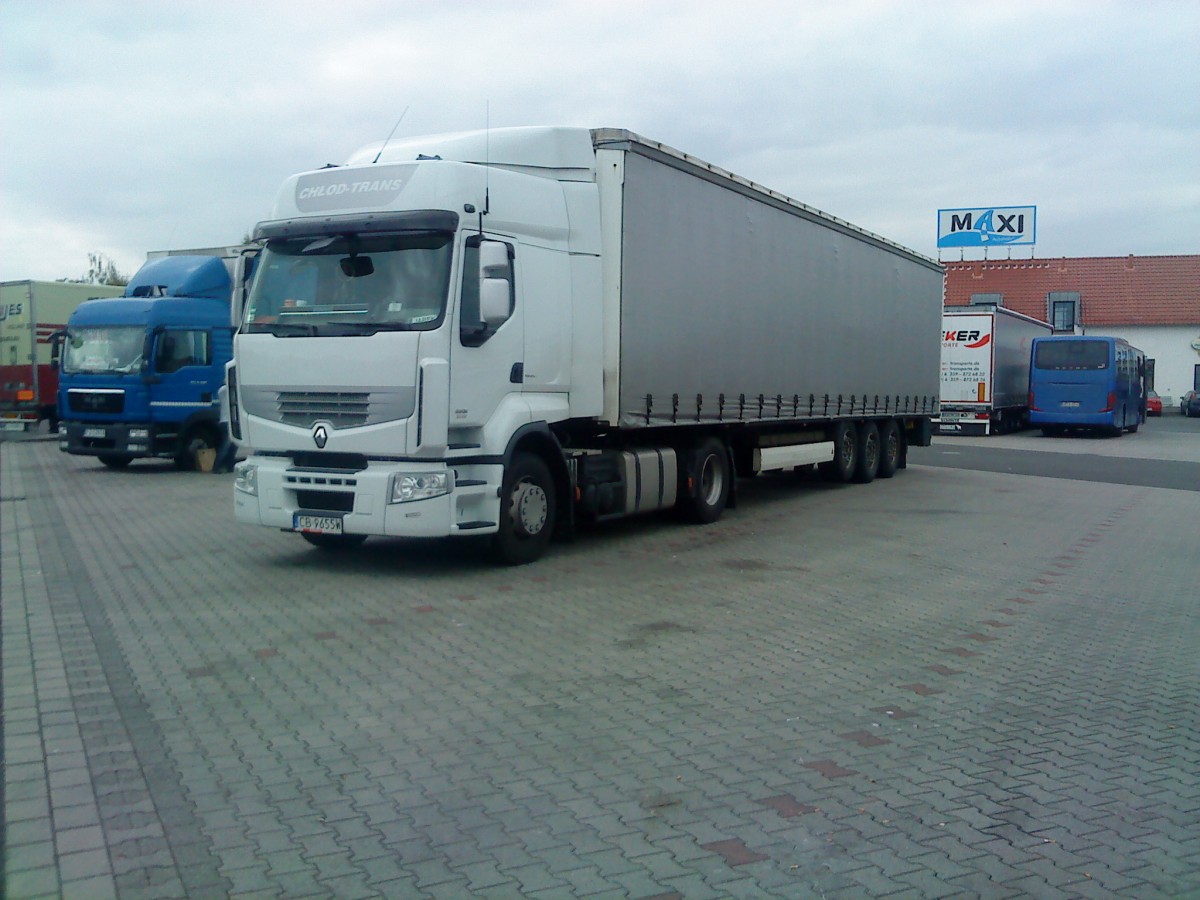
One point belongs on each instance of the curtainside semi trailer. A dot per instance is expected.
(513, 331)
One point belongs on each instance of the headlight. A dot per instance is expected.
(245, 478)
(409, 486)
(139, 434)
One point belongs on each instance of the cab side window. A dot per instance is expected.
(179, 349)
(473, 330)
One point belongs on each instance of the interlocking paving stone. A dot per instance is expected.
(411, 722)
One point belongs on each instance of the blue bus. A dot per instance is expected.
(1095, 383)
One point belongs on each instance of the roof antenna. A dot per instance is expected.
(487, 163)
(389, 137)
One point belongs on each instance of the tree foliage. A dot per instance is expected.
(101, 270)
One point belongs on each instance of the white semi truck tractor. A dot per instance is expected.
(514, 331)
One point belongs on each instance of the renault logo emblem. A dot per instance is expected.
(320, 435)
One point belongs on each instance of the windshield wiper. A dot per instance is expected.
(287, 329)
(333, 328)
(362, 327)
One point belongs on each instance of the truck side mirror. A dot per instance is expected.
(495, 283)
(494, 296)
(243, 274)
(148, 347)
(493, 259)
(56, 342)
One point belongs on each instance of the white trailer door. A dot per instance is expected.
(967, 358)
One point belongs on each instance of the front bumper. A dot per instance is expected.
(134, 440)
(361, 498)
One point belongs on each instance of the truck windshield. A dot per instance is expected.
(110, 349)
(350, 284)
(1071, 355)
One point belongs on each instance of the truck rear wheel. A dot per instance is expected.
(890, 449)
(867, 464)
(709, 479)
(845, 454)
(527, 511)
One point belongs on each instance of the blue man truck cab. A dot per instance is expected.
(140, 373)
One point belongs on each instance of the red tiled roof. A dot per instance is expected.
(1116, 290)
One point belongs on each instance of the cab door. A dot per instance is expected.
(182, 381)
(487, 349)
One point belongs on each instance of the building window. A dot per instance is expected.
(987, 299)
(1063, 310)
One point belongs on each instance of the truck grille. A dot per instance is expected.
(105, 401)
(326, 501)
(303, 406)
(341, 409)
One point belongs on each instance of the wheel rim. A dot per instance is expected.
(871, 451)
(712, 480)
(893, 446)
(530, 506)
(847, 448)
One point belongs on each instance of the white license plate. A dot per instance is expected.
(1071, 404)
(317, 524)
(14, 426)
(93, 432)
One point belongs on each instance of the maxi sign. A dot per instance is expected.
(987, 226)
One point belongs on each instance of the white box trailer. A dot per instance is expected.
(985, 369)
(31, 313)
(508, 332)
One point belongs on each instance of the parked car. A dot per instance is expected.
(1189, 403)
(1153, 404)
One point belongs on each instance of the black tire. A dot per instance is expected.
(114, 462)
(891, 448)
(334, 541)
(1115, 430)
(527, 511)
(867, 464)
(708, 479)
(201, 437)
(845, 454)
(1049, 431)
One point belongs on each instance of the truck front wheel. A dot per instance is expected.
(201, 437)
(526, 511)
(114, 462)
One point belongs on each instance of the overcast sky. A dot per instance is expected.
(134, 126)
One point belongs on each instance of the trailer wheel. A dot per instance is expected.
(114, 462)
(527, 511)
(709, 479)
(845, 454)
(890, 449)
(867, 464)
(334, 541)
